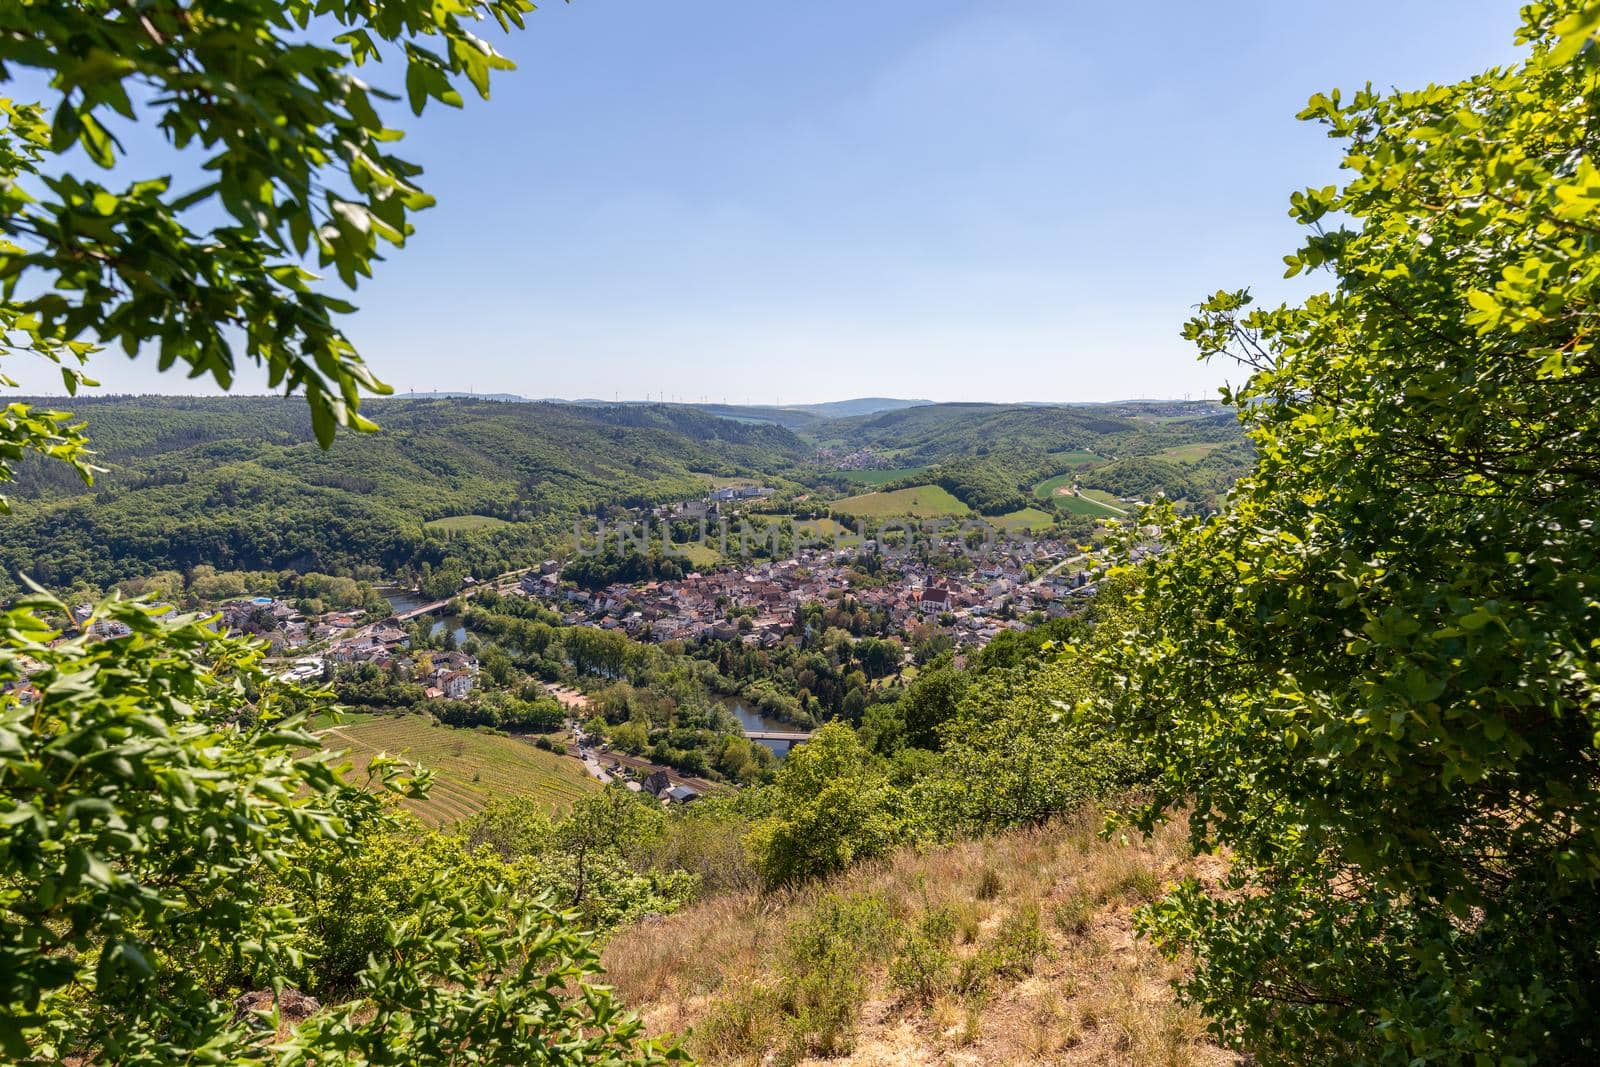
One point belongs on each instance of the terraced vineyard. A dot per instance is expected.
(469, 767)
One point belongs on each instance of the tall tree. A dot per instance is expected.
(1374, 675)
(154, 785)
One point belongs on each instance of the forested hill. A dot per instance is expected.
(236, 483)
(933, 433)
(997, 457)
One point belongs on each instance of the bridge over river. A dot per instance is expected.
(794, 738)
(420, 610)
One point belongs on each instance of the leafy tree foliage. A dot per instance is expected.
(985, 486)
(1143, 477)
(160, 816)
(1017, 753)
(234, 482)
(831, 805)
(613, 564)
(159, 813)
(1374, 675)
(930, 701)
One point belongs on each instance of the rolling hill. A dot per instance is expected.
(237, 483)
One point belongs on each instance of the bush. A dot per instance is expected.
(924, 968)
(832, 804)
(825, 979)
(1373, 677)
(194, 844)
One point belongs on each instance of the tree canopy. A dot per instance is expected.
(294, 161)
(1373, 675)
(170, 833)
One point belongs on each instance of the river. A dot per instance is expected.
(750, 719)
(401, 600)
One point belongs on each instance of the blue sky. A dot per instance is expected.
(977, 200)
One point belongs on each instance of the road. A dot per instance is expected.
(1039, 580)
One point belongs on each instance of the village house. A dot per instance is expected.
(455, 685)
(697, 606)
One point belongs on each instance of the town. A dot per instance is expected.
(758, 602)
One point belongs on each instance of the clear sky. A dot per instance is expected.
(943, 199)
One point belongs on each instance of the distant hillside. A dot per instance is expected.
(789, 418)
(992, 456)
(805, 416)
(507, 398)
(930, 433)
(235, 483)
(867, 405)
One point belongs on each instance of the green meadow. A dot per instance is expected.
(918, 502)
(464, 524)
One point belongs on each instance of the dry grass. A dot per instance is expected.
(1017, 949)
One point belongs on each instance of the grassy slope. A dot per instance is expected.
(1190, 453)
(882, 477)
(1082, 505)
(921, 502)
(461, 523)
(1046, 489)
(1023, 518)
(1093, 994)
(823, 530)
(699, 555)
(470, 767)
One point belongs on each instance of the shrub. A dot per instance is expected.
(824, 968)
(1372, 678)
(833, 805)
(924, 968)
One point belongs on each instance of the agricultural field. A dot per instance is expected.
(1189, 453)
(1024, 518)
(882, 477)
(918, 502)
(1060, 485)
(464, 524)
(1083, 505)
(1110, 500)
(825, 528)
(700, 555)
(469, 767)
(1074, 459)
